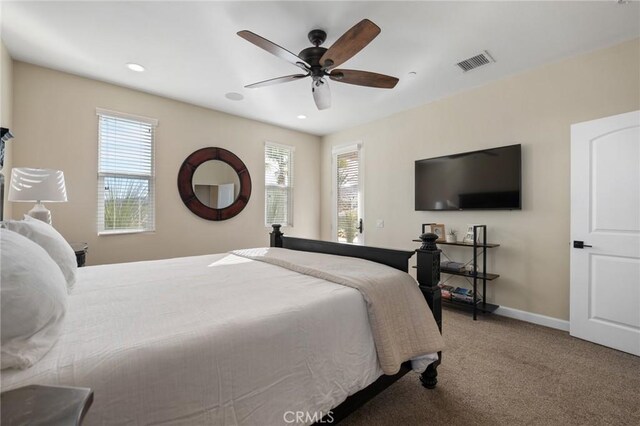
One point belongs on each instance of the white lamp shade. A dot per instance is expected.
(37, 185)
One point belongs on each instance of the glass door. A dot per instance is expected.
(348, 223)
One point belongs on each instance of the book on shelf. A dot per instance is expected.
(459, 294)
(464, 298)
(445, 291)
(463, 291)
(447, 265)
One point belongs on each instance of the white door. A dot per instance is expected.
(605, 217)
(225, 195)
(348, 220)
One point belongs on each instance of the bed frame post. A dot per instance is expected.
(276, 236)
(428, 276)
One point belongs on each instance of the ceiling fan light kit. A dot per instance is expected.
(319, 62)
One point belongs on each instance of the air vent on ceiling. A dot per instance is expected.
(477, 61)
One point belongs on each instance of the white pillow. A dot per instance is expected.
(46, 236)
(33, 301)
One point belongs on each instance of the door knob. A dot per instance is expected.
(580, 244)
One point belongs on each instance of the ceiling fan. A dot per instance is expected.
(319, 62)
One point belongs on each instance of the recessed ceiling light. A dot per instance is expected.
(234, 96)
(302, 116)
(135, 67)
(412, 73)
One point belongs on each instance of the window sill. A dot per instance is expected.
(125, 232)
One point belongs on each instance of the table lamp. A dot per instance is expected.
(37, 185)
(5, 135)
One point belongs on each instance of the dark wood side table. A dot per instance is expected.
(45, 405)
(81, 252)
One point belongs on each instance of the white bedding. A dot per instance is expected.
(215, 339)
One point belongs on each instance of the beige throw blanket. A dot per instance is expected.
(401, 321)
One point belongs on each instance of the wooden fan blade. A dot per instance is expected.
(364, 78)
(321, 94)
(277, 80)
(273, 48)
(349, 44)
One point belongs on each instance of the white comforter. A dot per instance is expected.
(207, 340)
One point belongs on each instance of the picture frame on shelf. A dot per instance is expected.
(426, 227)
(468, 238)
(435, 228)
(439, 230)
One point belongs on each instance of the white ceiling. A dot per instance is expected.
(192, 53)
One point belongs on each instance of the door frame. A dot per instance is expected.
(340, 149)
(580, 302)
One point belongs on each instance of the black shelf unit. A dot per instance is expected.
(479, 275)
(478, 305)
(461, 244)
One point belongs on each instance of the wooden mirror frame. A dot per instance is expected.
(185, 183)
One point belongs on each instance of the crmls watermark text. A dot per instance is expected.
(306, 417)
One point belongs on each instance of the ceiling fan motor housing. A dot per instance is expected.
(317, 37)
(312, 55)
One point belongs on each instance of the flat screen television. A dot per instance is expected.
(489, 179)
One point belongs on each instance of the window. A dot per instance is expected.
(347, 198)
(126, 178)
(278, 178)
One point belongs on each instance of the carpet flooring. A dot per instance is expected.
(500, 371)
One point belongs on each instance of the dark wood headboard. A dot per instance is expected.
(398, 259)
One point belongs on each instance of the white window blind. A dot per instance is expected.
(278, 178)
(348, 195)
(126, 180)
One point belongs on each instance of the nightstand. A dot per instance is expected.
(45, 405)
(81, 252)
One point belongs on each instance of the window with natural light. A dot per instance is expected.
(126, 177)
(347, 171)
(278, 177)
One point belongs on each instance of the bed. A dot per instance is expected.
(221, 339)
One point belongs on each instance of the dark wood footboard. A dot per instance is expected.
(428, 275)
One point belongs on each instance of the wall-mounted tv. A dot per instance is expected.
(489, 179)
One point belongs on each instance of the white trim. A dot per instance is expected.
(361, 176)
(339, 149)
(126, 231)
(334, 197)
(291, 186)
(543, 320)
(127, 116)
(101, 176)
(335, 151)
(280, 145)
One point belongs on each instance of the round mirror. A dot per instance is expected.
(214, 183)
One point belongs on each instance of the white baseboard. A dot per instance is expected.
(533, 318)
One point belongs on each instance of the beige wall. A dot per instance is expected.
(55, 116)
(534, 109)
(6, 117)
